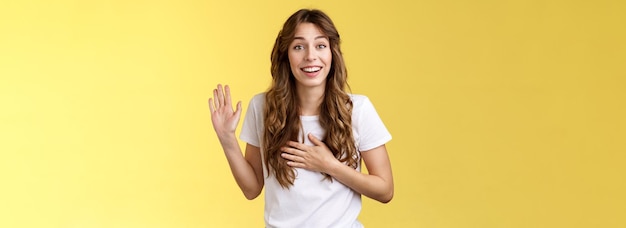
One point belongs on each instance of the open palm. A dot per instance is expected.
(224, 118)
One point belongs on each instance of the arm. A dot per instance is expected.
(248, 171)
(378, 184)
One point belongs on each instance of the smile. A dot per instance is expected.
(311, 69)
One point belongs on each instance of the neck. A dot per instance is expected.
(310, 100)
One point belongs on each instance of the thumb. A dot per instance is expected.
(237, 114)
(238, 109)
(315, 140)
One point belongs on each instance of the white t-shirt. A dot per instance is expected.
(313, 201)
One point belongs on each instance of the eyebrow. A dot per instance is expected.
(318, 37)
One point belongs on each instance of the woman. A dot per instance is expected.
(306, 136)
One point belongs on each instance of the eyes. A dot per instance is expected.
(301, 47)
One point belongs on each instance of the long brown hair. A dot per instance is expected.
(282, 108)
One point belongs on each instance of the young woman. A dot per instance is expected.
(306, 136)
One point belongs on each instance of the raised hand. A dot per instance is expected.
(223, 117)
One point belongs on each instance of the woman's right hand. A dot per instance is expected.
(223, 117)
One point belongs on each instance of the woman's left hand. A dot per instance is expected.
(314, 158)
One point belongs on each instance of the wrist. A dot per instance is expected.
(334, 167)
(228, 140)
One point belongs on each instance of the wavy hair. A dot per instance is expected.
(282, 108)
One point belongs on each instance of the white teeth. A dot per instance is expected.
(311, 69)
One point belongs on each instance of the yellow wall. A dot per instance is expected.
(504, 113)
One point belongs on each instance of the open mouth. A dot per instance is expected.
(311, 69)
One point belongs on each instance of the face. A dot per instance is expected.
(310, 56)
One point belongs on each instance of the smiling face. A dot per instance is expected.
(310, 56)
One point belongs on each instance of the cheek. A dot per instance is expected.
(292, 61)
(328, 57)
(295, 55)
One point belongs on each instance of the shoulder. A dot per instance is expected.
(256, 104)
(358, 101)
(257, 100)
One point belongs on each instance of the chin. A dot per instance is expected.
(316, 81)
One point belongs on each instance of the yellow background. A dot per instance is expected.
(504, 113)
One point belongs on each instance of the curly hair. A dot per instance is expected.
(282, 108)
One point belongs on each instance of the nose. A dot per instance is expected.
(311, 54)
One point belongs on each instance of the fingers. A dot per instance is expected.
(315, 140)
(296, 164)
(215, 99)
(227, 101)
(238, 111)
(292, 151)
(221, 98)
(294, 161)
(220, 95)
(292, 157)
(297, 145)
(211, 107)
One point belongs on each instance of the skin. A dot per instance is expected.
(310, 48)
(247, 170)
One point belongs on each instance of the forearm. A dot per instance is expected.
(241, 169)
(372, 186)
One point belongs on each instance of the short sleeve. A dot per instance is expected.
(251, 123)
(370, 129)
